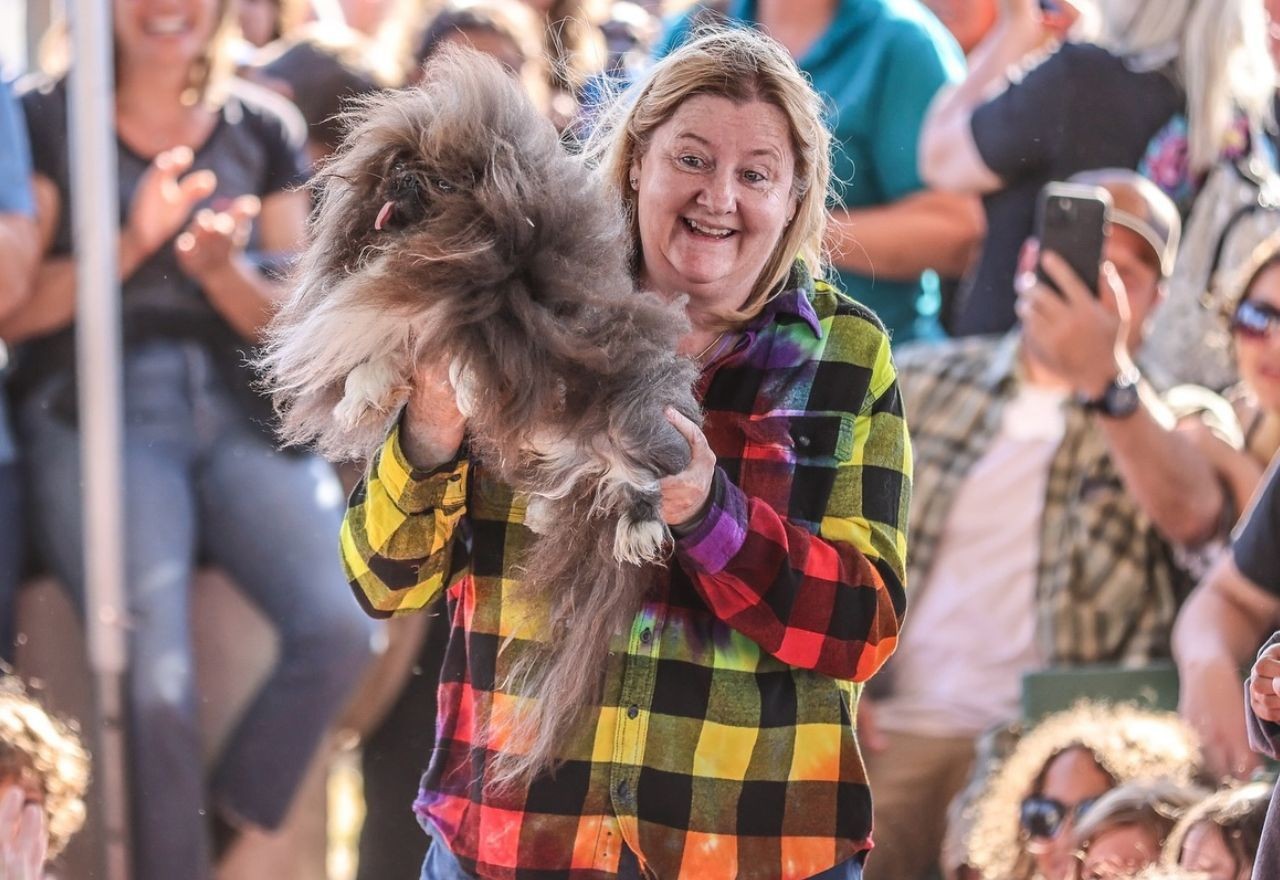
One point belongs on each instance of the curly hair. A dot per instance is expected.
(1127, 742)
(1238, 814)
(37, 746)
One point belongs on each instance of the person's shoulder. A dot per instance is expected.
(832, 303)
(39, 92)
(263, 110)
(910, 22)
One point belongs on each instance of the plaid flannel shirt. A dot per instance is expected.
(1108, 584)
(724, 743)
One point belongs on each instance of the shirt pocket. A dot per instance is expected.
(791, 461)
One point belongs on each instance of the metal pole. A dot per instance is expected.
(98, 347)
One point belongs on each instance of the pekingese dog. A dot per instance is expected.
(453, 227)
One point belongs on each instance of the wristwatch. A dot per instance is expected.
(1121, 398)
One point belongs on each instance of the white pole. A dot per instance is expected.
(98, 346)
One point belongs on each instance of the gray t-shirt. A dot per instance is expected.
(255, 148)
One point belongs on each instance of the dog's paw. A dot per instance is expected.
(639, 542)
(371, 386)
(539, 516)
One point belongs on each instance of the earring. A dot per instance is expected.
(635, 183)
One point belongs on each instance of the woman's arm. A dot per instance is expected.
(948, 155)
(211, 251)
(162, 202)
(831, 602)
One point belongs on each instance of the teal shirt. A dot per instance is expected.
(878, 66)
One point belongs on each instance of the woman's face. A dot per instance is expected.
(1258, 358)
(1119, 852)
(164, 33)
(714, 197)
(1073, 777)
(1205, 851)
(257, 20)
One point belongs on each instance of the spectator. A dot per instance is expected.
(1257, 545)
(1225, 620)
(1054, 492)
(44, 775)
(1024, 821)
(572, 50)
(1154, 60)
(320, 70)
(1254, 321)
(1125, 830)
(260, 21)
(504, 29)
(878, 63)
(19, 254)
(968, 20)
(1220, 835)
(202, 477)
(738, 706)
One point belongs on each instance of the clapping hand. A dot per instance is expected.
(163, 202)
(213, 238)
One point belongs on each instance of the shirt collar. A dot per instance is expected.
(792, 301)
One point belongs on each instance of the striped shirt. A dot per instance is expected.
(724, 742)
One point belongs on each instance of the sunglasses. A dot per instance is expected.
(1042, 817)
(1255, 320)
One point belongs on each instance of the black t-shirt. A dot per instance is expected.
(255, 148)
(1082, 108)
(1257, 542)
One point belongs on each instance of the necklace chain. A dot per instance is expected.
(713, 344)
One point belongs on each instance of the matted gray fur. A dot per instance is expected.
(500, 254)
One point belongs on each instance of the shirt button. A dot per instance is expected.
(633, 710)
(802, 441)
(646, 636)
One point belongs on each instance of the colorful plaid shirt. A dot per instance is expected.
(724, 744)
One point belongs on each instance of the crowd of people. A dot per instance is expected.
(935, 457)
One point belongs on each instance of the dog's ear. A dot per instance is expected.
(510, 200)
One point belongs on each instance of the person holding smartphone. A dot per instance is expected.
(1054, 493)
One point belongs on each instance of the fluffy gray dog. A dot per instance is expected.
(454, 228)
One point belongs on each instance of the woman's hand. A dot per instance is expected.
(432, 427)
(214, 239)
(685, 495)
(162, 203)
(1264, 685)
(23, 837)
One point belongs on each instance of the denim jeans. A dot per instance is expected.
(441, 865)
(202, 482)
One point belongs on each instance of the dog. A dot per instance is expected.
(453, 227)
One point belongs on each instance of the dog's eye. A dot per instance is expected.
(443, 185)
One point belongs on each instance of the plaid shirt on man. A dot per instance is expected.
(724, 745)
(1108, 584)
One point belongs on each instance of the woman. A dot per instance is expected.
(1023, 822)
(202, 478)
(1126, 829)
(1182, 77)
(722, 745)
(1220, 835)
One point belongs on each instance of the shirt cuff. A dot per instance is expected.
(711, 543)
(414, 490)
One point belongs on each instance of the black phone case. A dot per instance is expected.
(1074, 227)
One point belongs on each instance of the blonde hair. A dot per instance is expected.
(1127, 742)
(1219, 51)
(36, 746)
(1238, 814)
(741, 65)
(1153, 804)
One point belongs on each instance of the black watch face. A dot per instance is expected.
(1121, 400)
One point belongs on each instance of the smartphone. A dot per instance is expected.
(1071, 221)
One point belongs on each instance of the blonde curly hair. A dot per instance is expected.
(37, 746)
(1127, 742)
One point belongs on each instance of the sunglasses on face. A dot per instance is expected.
(1042, 817)
(1254, 320)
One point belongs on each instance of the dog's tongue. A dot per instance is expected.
(383, 215)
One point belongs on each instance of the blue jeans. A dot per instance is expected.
(441, 865)
(201, 481)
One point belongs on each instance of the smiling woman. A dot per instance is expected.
(782, 591)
